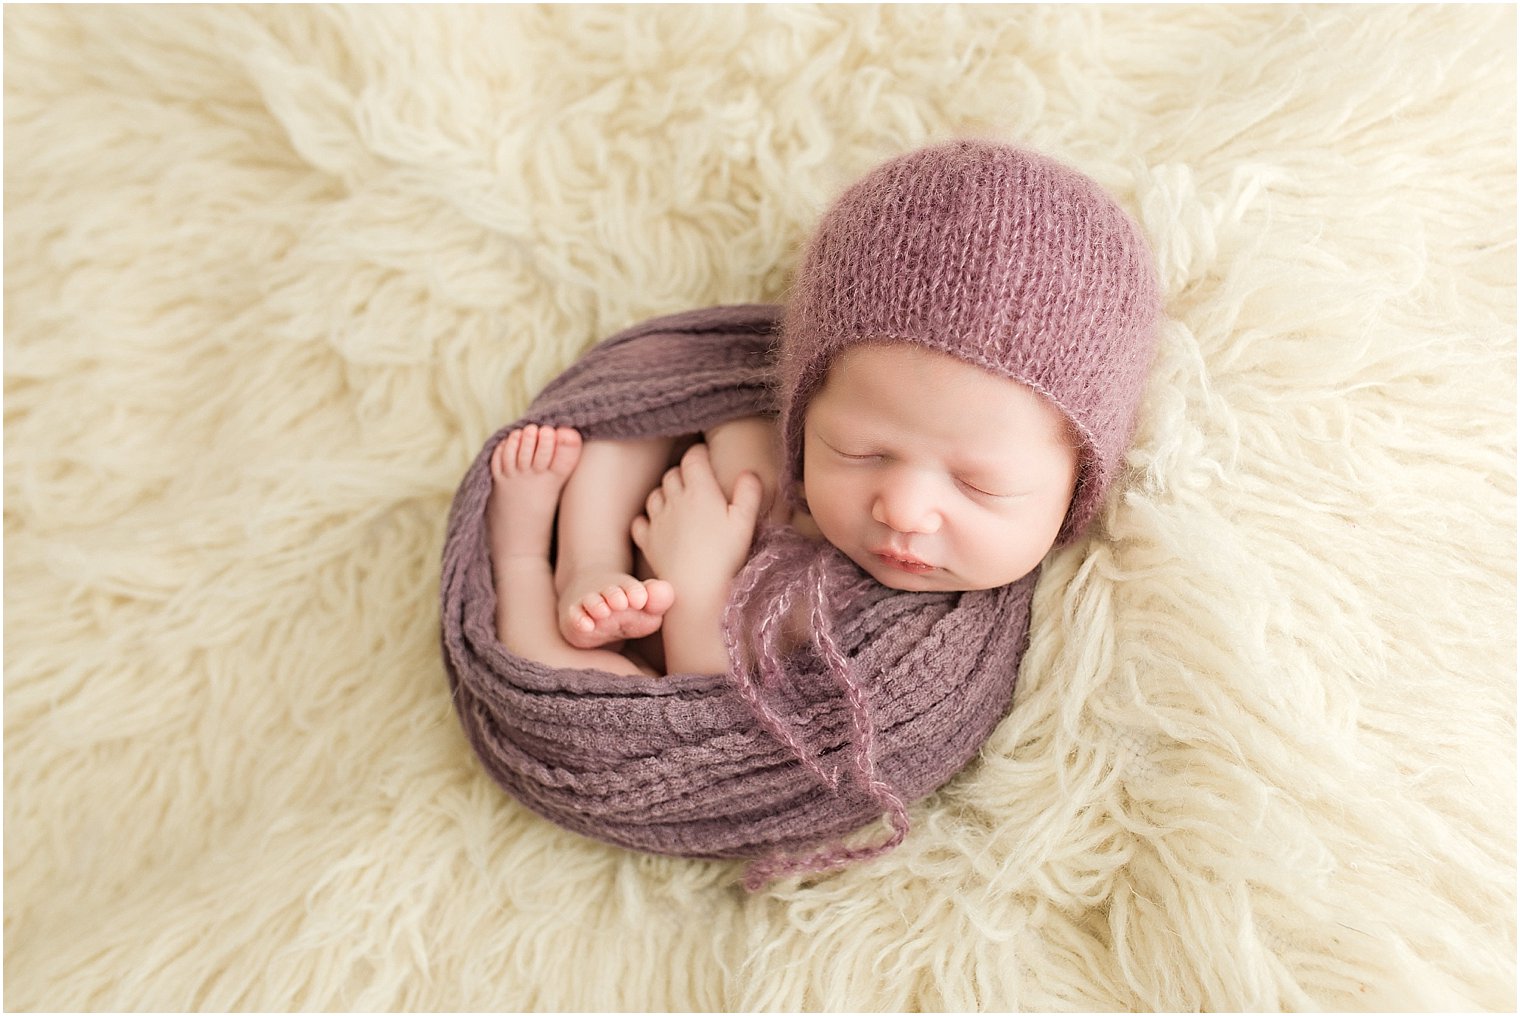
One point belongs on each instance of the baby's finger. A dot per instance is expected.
(697, 470)
(748, 490)
(673, 483)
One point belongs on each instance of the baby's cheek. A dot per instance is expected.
(821, 518)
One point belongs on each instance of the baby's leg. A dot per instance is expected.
(600, 600)
(528, 470)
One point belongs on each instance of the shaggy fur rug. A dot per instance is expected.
(273, 274)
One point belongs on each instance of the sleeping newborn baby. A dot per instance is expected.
(927, 493)
(959, 368)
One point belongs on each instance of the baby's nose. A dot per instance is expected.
(907, 508)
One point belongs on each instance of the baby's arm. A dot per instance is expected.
(750, 444)
(697, 539)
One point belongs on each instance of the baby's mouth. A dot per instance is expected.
(911, 565)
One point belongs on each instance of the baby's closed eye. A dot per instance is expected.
(981, 490)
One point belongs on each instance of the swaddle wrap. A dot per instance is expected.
(682, 764)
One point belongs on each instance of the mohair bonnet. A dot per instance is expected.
(1000, 257)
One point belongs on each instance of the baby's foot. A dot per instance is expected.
(529, 468)
(601, 607)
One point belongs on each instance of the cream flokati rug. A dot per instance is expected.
(272, 276)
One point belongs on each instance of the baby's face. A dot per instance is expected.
(932, 474)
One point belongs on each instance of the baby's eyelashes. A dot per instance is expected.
(973, 488)
(854, 456)
(989, 496)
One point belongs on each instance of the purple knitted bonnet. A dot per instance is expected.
(997, 256)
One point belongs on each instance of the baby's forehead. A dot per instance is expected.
(928, 390)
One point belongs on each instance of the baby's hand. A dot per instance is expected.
(693, 536)
(749, 444)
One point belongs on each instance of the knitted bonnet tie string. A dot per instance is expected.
(768, 660)
(823, 594)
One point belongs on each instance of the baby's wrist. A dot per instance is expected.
(693, 632)
(700, 587)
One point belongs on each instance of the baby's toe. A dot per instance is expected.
(567, 450)
(504, 455)
(527, 444)
(543, 450)
(660, 595)
(635, 593)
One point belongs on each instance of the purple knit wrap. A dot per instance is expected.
(746, 764)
